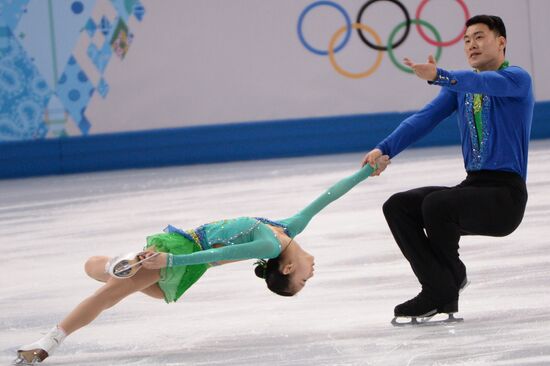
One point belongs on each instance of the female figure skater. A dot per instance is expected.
(174, 260)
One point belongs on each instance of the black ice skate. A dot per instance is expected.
(421, 309)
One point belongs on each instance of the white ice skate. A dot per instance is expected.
(30, 354)
(125, 266)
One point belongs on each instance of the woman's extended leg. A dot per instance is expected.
(105, 297)
(95, 268)
(113, 291)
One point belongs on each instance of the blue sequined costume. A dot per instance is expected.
(507, 111)
(428, 222)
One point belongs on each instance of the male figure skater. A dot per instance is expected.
(495, 108)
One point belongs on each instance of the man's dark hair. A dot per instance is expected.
(492, 21)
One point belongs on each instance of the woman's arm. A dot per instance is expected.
(259, 248)
(297, 223)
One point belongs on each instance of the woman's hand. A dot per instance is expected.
(376, 160)
(153, 260)
(382, 162)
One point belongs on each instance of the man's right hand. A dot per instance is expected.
(375, 157)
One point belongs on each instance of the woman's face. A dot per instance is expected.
(300, 271)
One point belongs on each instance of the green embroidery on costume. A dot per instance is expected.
(477, 108)
(477, 116)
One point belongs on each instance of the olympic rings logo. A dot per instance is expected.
(391, 44)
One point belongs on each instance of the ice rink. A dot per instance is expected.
(51, 225)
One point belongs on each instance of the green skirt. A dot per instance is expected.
(174, 281)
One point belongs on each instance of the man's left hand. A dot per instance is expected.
(427, 71)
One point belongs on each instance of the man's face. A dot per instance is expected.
(483, 48)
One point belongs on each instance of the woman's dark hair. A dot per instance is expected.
(492, 21)
(276, 281)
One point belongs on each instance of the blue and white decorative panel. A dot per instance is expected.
(44, 89)
(98, 67)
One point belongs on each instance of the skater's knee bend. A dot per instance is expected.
(389, 206)
(95, 266)
(90, 265)
(394, 204)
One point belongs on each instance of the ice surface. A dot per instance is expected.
(50, 225)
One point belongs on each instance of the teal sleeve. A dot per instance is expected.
(260, 248)
(297, 223)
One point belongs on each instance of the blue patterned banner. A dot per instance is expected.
(44, 87)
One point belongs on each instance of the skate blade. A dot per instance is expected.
(426, 321)
(30, 357)
(127, 268)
